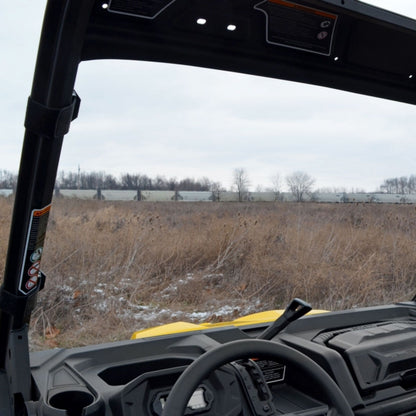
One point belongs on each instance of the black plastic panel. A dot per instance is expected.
(379, 355)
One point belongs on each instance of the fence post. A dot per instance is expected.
(99, 195)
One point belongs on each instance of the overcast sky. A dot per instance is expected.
(182, 122)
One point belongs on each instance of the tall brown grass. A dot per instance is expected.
(108, 264)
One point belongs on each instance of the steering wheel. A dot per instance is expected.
(189, 380)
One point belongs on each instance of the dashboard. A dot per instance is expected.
(370, 353)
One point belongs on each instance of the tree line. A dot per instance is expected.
(127, 181)
(402, 185)
(299, 183)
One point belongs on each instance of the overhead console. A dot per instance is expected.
(347, 45)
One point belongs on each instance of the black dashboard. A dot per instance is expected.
(370, 353)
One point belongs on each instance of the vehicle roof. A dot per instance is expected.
(364, 49)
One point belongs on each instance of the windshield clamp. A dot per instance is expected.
(48, 121)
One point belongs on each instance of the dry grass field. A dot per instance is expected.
(113, 268)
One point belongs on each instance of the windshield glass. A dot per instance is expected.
(297, 191)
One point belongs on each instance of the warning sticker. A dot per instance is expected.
(148, 9)
(272, 371)
(30, 274)
(296, 26)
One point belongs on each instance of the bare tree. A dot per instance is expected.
(241, 182)
(402, 185)
(412, 184)
(8, 180)
(276, 186)
(300, 184)
(216, 188)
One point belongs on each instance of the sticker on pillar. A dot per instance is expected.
(30, 275)
(296, 26)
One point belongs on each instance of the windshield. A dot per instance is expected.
(156, 253)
